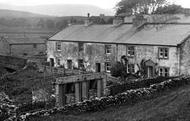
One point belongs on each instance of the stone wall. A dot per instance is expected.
(185, 57)
(27, 50)
(4, 47)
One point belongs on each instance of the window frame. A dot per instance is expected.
(58, 46)
(80, 63)
(34, 45)
(129, 69)
(58, 61)
(164, 71)
(108, 49)
(164, 53)
(108, 68)
(130, 50)
(81, 46)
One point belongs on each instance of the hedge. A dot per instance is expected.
(128, 97)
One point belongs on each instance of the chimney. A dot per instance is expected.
(139, 20)
(87, 21)
(117, 21)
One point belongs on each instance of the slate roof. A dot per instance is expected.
(26, 40)
(93, 33)
(163, 34)
(158, 34)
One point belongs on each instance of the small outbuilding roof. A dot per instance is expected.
(26, 40)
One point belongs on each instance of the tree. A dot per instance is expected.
(139, 6)
(97, 20)
(169, 9)
(119, 69)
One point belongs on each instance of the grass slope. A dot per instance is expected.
(168, 106)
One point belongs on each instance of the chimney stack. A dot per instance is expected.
(87, 21)
(139, 20)
(118, 21)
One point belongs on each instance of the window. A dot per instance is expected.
(131, 68)
(80, 63)
(107, 66)
(108, 49)
(58, 61)
(34, 45)
(70, 88)
(131, 51)
(163, 71)
(58, 46)
(163, 53)
(81, 46)
(93, 84)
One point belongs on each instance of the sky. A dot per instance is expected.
(105, 4)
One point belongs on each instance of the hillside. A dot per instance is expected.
(19, 14)
(14, 21)
(61, 10)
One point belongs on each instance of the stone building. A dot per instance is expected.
(77, 88)
(22, 47)
(162, 41)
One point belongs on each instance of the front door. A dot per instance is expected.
(150, 71)
(51, 62)
(69, 64)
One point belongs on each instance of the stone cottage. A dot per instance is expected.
(163, 41)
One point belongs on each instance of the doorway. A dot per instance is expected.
(150, 71)
(69, 64)
(98, 67)
(52, 62)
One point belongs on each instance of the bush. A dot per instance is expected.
(117, 69)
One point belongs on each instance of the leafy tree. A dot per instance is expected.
(119, 69)
(169, 9)
(61, 24)
(97, 20)
(139, 6)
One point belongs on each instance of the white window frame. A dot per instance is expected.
(163, 53)
(58, 61)
(58, 46)
(131, 69)
(108, 49)
(130, 51)
(164, 71)
(108, 67)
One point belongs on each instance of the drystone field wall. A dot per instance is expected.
(129, 97)
(13, 62)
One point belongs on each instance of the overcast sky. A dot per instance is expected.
(106, 4)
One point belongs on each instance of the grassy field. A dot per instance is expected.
(169, 106)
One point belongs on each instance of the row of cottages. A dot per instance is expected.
(163, 41)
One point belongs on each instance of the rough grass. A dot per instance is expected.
(168, 106)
